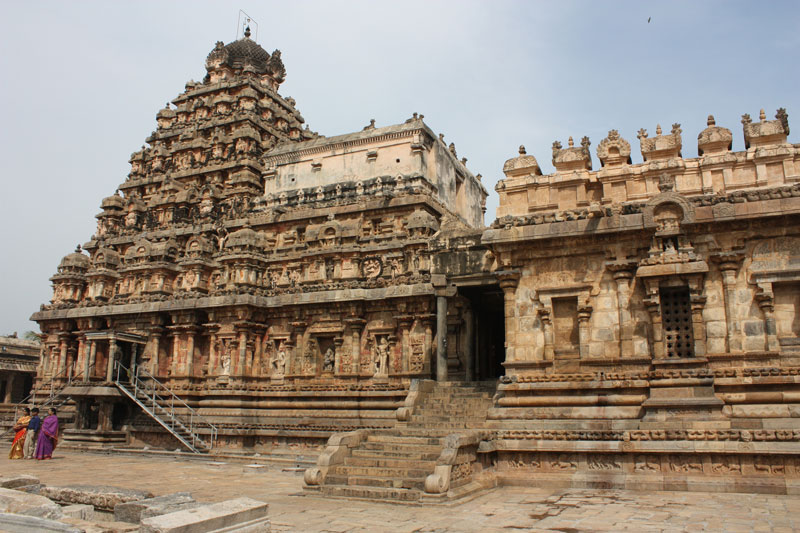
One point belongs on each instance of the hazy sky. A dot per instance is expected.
(81, 82)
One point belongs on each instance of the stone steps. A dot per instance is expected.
(392, 464)
(395, 438)
(389, 454)
(401, 448)
(393, 482)
(373, 471)
(371, 493)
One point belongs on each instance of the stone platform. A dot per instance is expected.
(504, 509)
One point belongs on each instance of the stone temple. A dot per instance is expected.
(254, 284)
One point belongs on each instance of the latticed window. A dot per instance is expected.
(676, 321)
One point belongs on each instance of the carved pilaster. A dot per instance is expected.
(509, 279)
(623, 274)
(729, 264)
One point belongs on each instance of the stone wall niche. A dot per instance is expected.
(565, 314)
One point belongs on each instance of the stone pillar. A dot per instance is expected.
(89, 368)
(766, 302)
(134, 353)
(189, 366)
(469, 345)
(427, 322)
(256, 365)
(623, 276)
(155, 347)
(356, 328)
(112, 355)
(104, 416)
(698, 302)
(509, 279)
(441, 338)
(404, 324)
(729, 265)
(176, 344)
(653, 304)
(240, 363)
(213, 356)
(584, 331)
(9, 387)
(62, 358)
(547, 332)
(80, 360)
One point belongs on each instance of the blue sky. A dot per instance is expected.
(82, 82)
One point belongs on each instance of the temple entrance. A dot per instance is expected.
(490, 330)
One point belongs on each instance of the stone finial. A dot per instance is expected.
(572, 158)
(662, 146)
(714, 139)
(585, 142)
(452, 148)
(522, 165)
(478, 177)
(766, 132)
(78, 249)
(247, 31)
(614, 150)
(441, 138)
(642, 134)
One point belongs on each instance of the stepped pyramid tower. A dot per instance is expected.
(249, 261)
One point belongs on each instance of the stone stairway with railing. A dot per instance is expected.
(394, 464)
(166, 408)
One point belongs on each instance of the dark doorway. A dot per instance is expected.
(118, 416)
(490, 330)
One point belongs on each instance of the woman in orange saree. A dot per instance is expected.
(21, 427)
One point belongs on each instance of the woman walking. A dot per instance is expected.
(48, 436)
(21, 428)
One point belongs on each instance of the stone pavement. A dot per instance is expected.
(504, 509)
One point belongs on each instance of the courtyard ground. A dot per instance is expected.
(504, 509)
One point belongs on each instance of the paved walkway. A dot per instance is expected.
(505, 509)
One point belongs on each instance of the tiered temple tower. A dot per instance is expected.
(247, 261)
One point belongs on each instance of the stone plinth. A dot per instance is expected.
(241, 514)
(14, 501)
(100, 497)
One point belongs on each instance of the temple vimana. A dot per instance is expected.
(253, 284)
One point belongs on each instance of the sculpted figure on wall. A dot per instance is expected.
(279, 361)
(381, 357)
(329, 360)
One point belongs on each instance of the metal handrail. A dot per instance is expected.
(157, 394)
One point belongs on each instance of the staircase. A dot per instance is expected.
(163, 406)
(393, 464)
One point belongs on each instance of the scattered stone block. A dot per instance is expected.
(17, 523)
(134, 512)
(13, 482)
(241, 514)
(100, 497)
(79, 510)
(14, 501)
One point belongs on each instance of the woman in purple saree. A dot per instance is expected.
(48, 436)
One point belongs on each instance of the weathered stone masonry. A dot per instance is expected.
(642, 318)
